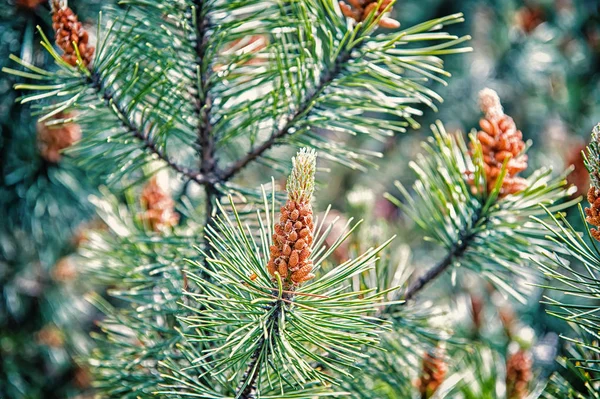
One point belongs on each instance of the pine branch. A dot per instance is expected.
(208, 163)
(112, 103)
(465, 239)
(326, 78)
(247, 386)
(490, 233)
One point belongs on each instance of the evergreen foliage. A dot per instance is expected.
(213, 292)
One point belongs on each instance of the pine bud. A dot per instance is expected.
(51, 336)
(593, 211)
(592, 159)
(53, 139)
(29, 4)
(518, 374)
(433, 372)
(293, 233)
(500, 141)
(65, 270)
(69, 32)
(592, 163)
(359, 10)
(159, 208)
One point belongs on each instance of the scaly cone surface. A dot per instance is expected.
(501, 142)
(70, 33)
(294, 232)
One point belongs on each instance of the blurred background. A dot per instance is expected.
(542, 57)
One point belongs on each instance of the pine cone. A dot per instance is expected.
(529, 18)
(593, 212)
(433, 372)
(29, 4)
(64, 271)
(294, 232)
(159, 208)
(500, 140)
(51, 336)
(359, 10)
(68, 31)
(518, 374)
(53, 139)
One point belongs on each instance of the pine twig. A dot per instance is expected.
(247, 387)
(462, 244)
(109, 98)
(208, 163)
(326, 78)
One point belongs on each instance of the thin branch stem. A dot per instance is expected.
(206, 141)
(462, 244)
(110, 99)
(247, 386)
(327, 77)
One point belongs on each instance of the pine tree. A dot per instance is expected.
(222, 290)
(43, 215)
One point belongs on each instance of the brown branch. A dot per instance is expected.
(462, 244)
(110, 99)
(206, 141)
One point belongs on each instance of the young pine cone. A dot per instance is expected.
(500, 140)
(53, 139)
(359, 10)
(433, 372)
(159, 208)
(29, 4)
(518, 374)
(593, 212)
(294, 232)
(70, 31)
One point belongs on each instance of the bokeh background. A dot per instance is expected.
(542, 57)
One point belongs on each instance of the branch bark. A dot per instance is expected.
(208, 162)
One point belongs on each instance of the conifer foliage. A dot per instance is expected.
(226, 290)
(574, 293)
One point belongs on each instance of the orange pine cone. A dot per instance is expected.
(294, 232)
(159, 207)
(593, 211)
(53, 139)
(291, 244)
(29, 4)
(518, 374)
(501, 142)
(68, 31)
(433, 372)
(359, 10)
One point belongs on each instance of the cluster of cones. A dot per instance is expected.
(360, 10)
(518, 374)
(159, 208)
(294, 233)
(71, 37)
(433, 372)
(53, 139)
(501, 142)
(291, 244)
